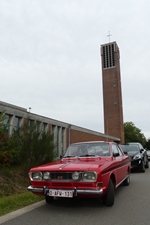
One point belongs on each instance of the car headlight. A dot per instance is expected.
(46, 176)
(89, 176)
(76, 176)
(138, 156)
(35, 175)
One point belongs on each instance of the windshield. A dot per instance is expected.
(130, 148)
(88, 149)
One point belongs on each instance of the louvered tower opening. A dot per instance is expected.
(108, 56)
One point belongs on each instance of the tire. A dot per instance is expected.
(49, 199)
(109, 197)
(142, 167)
(126, 182)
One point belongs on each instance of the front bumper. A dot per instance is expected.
(44, 190)
(136, 163)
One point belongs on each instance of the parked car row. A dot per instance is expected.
(138, 155)
(88, 169)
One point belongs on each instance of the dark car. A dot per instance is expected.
(87, 169)
(138, 155)
(148, 153)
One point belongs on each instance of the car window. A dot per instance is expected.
(140, 146)
(73, 151)
(133, 147)
(124, 148)
(116, 150)
(81, 150)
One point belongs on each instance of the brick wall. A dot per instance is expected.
(79, 136)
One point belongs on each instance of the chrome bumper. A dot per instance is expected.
(30, 188)
(44, 190)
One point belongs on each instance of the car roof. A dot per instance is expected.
(133, 143)
(92, 142)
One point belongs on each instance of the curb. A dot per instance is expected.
(20, 212)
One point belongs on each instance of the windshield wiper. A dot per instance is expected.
(75, 156)
(87, 155)
(70, 156)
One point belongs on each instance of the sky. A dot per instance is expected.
(50, 58)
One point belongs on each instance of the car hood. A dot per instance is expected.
(78, 164)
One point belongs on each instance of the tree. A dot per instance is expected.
(5, 142)
(27, 147)
(148, 144)
(34, 146)
(2, 125)
(133, 134)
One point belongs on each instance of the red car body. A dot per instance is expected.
(95, 172)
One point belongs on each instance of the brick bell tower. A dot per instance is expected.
(112, 94)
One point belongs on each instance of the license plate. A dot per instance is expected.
(61, 193)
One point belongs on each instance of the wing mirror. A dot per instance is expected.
(126, 153)
(142, 150)
(115, 154)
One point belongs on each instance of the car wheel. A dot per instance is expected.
(142, 167)
(49, 199)
(109, 197)
(126, 182)
(147, 164)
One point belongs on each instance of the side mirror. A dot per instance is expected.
(126, 153)
(115, 154)
(142, 150)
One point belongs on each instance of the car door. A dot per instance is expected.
(119, 159)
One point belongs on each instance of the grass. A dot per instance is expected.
(13, 190)
(17, 201)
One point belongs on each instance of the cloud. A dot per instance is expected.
(50, 58)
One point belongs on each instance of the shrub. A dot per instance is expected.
(34, 147)
(27, 146)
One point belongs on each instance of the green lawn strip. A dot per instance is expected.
(17, 201)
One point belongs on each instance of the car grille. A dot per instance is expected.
(61, 184)
(61, 176)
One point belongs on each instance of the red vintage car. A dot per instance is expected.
(87, 169)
